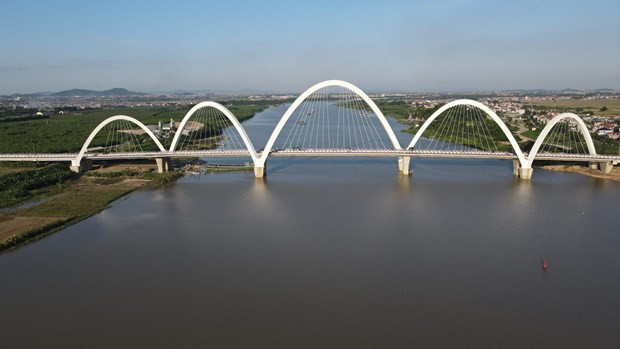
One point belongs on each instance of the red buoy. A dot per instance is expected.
(545, 264)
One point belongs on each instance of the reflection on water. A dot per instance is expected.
(335, 252)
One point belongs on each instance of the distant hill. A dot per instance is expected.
(247, 91)
(114, 92)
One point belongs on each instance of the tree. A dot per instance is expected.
(603, 108)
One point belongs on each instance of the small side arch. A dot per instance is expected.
(228, 114)
(545, 132)
(310, 91)
(92, 135)
(513, 142)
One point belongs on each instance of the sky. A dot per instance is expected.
(287, 46)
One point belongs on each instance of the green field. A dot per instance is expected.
(582, 106)
(58, 197)
(532, 134)
(67, 133)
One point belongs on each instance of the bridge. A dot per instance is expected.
(335, 118)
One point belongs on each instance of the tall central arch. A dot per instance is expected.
(328, 83)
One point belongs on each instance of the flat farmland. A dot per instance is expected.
(583, 105)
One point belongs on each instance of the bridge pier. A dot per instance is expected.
(260, 171)
(525, 172)
(85, 165)
(606, 167)
(522, 172)
(164, 164)
(515, 167)
(403, 165)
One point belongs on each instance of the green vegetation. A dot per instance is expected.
(155, 178)
(158, 179)
(602, 107)
(67, 133)
(218, 168)
(115, 174)
(74, 200)
(603, 145)
(10, 167)
(402, 110)
(492, 139)
(18, 186)
(76, 203)
(532, 134)
(407, 113)
(32, 234)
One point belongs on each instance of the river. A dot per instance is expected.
(329, 253)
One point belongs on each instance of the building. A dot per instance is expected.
(164, 130)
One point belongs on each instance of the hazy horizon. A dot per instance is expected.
(285, 47)
(266, 92)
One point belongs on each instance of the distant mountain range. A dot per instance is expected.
(114, 92)
(245, 91)
(122, 92)
(76, 92)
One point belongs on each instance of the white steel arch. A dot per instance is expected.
(513, 142)
(310, 91)
(545, 132)
(92, 135)
(229, 115)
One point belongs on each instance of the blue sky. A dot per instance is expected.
(284, 46)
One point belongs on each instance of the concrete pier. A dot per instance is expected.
(516, 165)
(525, 173)
(403, 165)
(85, 165)
(259, 172)
(606, 167)
(164, 164)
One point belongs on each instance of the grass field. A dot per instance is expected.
(583, 106)
(82, 199)
(532, 134)
(57, 206)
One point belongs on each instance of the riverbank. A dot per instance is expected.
(75, 200)
(614, 175)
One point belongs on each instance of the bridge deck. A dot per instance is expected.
(310, 152)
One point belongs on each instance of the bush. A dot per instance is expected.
(163, 178)
(121, 173)
(18, 185)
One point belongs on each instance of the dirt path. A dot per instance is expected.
(614, 175)
(522, 129)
